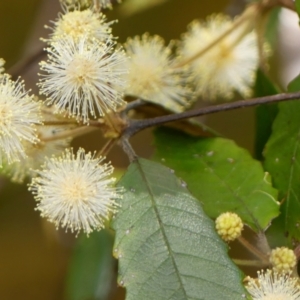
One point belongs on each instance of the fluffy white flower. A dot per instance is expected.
(75, 191)
(226, 67)
(95, 3)
(78, 23)
(19, 114)
(273, 286)
(36, 153)
(84, 78)
(152, 75)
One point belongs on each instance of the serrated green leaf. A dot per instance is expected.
(167, 247)
(265, 114)
(223, 176)
(91, 272)
(282, 160)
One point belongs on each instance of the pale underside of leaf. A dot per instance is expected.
(167, 247)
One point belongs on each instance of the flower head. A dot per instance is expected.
(84, 78)
(152, 75)
(75, 192)
(46, 146)
(96, 3)
(19, 114)
(226, 67)
(283, 259)
(78, 24)
(273, 286)
(229, 226)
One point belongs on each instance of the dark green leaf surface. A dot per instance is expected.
(223, 176)
(167, 247)
(283, 161)
(92, 268)
(265, 114)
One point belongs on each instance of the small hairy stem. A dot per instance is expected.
(138, 125)
(106, 148)
(69, 133)
(128, 149)
(254, 250)
(250, 263)
(131, 105)
(97, 6)
(59, 123)
(92, 123)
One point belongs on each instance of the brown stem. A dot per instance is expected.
(59, 123)
(69, 133)
(106, 148)
(253, 250)
(250, 263)
(138, 125)
(287, 4)
(128, 149)
(92, 123)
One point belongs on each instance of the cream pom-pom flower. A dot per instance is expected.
(77, 23)
(36, 154)
(283, 259)
(152, 74)
(273, 286)
(75, 191)
(19, 115)
(47, 146)
(84, 78)
(229, 226)
(95, 3)
(227, 67)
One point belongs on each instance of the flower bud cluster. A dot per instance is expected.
(283, 259)
(229, 226)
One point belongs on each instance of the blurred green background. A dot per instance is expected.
(34, 257)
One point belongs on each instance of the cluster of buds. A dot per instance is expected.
(229, 226)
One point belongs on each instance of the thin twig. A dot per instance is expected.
(132, 105)
(138, 125)
(128, 149)
(92, 123)
(59, 123)
(250, 263)
(289, 4)
(253, 250)
(106, 148)
(69, 133)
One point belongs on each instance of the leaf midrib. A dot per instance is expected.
(161, 226)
